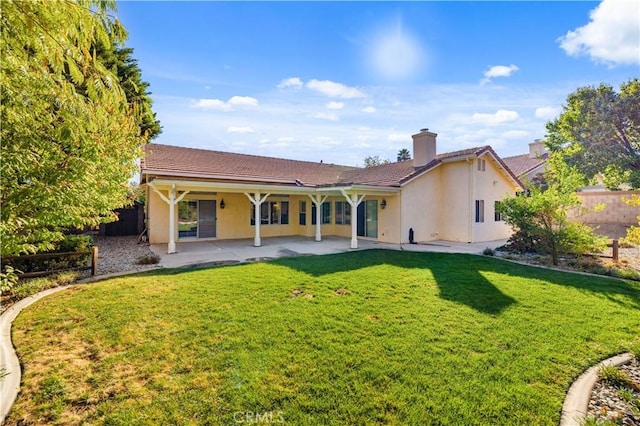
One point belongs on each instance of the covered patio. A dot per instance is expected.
(204, 253)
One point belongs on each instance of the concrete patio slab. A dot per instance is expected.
(208, 252)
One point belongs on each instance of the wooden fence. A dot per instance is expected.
(93, 266)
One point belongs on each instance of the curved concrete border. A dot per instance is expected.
(10, 384)
(576, 403)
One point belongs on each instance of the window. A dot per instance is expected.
(482, 165)
(313, 213)
(326, 212)
(479, 211)
(272, 213)
(302, 218)
(496, 211)
(187, 219)
(343, 213)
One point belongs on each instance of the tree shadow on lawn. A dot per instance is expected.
(459, 276)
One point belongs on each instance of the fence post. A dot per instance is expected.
(94, 260)
(615, 250)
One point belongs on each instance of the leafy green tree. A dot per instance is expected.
(540, 219)
(404, 155)
(69, 136)
(373, 161)
(599, 131)
(120, 61)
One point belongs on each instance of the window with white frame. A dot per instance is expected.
(479, 211)
(272, 213)
(343, 213)
(482, 165)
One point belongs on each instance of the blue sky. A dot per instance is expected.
(338, 81)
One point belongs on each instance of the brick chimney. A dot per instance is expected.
(537, 149)
(424, 147)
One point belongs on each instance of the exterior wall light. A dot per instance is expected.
(383, 204)
(222, 205)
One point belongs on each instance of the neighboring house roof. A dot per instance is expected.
(522, 164)
(190, 162)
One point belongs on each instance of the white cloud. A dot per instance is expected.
(217, 104)
(326, 116)
(501, 116)
(335, 105)
(211, 104)
(291, 82)
(239, 129)
(548, 112)
(515, 134)
(369, 110)
(612, 36)
(243, 101)
(498, 71)
(335, 90)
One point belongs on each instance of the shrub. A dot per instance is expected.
(150, 259)
(28, 287)
(8, 278)
(489, 252)
(70, 243)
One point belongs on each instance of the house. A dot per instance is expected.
(195, 194)
(529, 167)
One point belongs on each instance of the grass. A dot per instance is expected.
(369, 337)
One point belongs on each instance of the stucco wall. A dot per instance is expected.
(490, 186)
(421, 206)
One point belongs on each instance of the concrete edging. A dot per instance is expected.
(10, 385)
(576, 403)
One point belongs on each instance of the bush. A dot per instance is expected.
(489, 252)
(150, 259)
(70, 243)
(8, 278)
(28, 287)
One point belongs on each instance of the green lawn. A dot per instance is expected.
(368, 337)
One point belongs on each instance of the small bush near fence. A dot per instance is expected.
(71, 243)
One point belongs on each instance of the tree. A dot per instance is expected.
(373, 161)
(404, 155)
(599, 131)
(540, 219)
(69, 137)
(120, 61)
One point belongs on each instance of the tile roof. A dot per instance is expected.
(522, 164)
(174, 160)
(171, 160)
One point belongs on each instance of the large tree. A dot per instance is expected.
(120, 61)
(599, 132)
(69, 136)
(375, 160)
